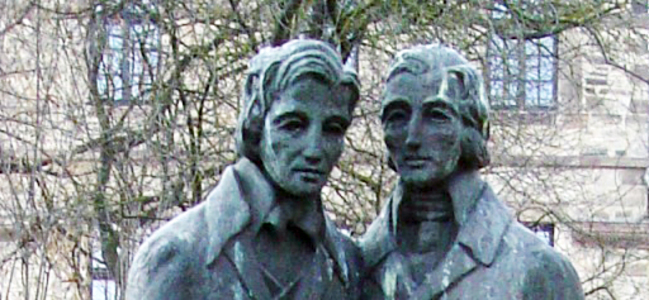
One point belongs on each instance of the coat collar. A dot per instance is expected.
(228, 211)
(477, 242)
(482, 220)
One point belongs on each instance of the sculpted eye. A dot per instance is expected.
(437, 115)
(291, 124)
(335, 126)
(335, 129)
(395, 115)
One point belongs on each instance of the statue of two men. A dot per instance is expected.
(262, 232)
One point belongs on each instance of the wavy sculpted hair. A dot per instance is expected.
(273, 70)
(472, 102)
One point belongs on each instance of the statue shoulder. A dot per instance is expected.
(548, 273)
(159, 267)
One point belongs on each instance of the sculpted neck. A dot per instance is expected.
(420, 205)
(299, 204)
(425, 224)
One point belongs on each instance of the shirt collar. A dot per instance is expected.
(482, 219)
(260, 195)
(464, 188)
(245, 197)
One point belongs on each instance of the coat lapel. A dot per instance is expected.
(334, 247)
(378, 241)
(242, 256)
(476, 244)
(311, 283)
(226, 213)
(456, 264)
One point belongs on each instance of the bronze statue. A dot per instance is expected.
(443, 234)
(262, 232)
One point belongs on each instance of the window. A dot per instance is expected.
(102, 286)
(130, 56)
(521, 72)
(543, 231)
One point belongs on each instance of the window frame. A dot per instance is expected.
(500, 14)
(549, 228)
(520, 76)
(101, 279)
(129, 64)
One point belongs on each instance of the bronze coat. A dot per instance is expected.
(198, 255)
(492, 257)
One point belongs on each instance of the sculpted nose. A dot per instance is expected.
(413, 140)
(313, 154)
(313, 148)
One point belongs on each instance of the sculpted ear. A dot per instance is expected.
(474, 149)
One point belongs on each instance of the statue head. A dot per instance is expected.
(434, 115)
(298, 102)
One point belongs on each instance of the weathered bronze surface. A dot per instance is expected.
(443, 234)
(262, 233)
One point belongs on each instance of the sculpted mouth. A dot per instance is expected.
(310, 175)
(416, 161)
(309, 171)
(417, 158)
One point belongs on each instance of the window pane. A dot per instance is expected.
(546, 93)
(118, 87)
(109, 81)
(115, 37)
(104, 290)
(526, 70)
(545, 232)
(511, 93)
(144, 58)
(532, 48)
(129, 60)
(511, 66)
(547, 68)
(496, 69)
(531, 93)
(546, 46)
(532, 69)
(499, 96)
(496, 89)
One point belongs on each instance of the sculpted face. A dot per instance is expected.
(303, 136)
(422, 129)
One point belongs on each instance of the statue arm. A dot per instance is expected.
(552, 277)
(158, 271)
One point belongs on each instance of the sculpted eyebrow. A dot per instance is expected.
(394, 104)
(345, 122)
(289, 115)
(431, 104)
